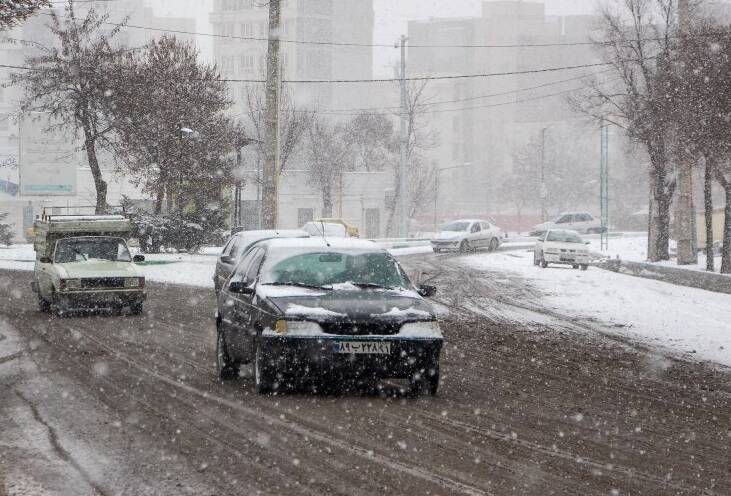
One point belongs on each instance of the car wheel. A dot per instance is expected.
(544, 264)
(43, 304)
(136, 308)
(575, 266)
(437, 250)
(464, 246)
(494, 243)
(426, 382)
(263, 378)
(584, 267)
(227, 368)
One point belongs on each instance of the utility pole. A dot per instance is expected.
(403, 187)
(604, 184)
(271, 122)
(684, 224)
(544, 190)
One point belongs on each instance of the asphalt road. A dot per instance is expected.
(131, 405)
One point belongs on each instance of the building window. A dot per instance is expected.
(247, 64)
(247, 29)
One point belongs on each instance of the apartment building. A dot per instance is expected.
(481, 126)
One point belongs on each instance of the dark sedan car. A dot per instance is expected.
(316, 310)
(239, 243)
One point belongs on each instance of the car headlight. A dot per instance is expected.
(424, 329)
(134, 282)
(297, 327)
(70, 283)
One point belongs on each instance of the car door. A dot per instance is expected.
(490, 231)
(475, 235)
(238, 309)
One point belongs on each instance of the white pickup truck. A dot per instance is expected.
(82, 261)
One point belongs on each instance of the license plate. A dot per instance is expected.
(362, 347)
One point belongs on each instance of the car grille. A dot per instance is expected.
(361, 328)
(102, 282)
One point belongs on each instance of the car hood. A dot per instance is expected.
(94, 268)
(448, 235)
(557, 245)
(364, 305)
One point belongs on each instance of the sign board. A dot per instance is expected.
(48, 160)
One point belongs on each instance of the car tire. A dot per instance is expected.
(136, 308)
(544, 264)
(426, 382)
(464, 246)
(575, 266)
(264, 381)
(43, 304)
(437, 250)
(494, 244)
(584, 267)
(227, 368)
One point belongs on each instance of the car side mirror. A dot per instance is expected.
(427, 290)
(45, 259)
(138, 258)
(227, 259)
(239, 287)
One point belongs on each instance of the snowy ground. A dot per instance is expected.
(684, 320)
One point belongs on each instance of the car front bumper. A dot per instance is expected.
(316, 357)
(566, 258)
(445, 245)
(100, 299)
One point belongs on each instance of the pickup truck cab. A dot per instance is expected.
(84, 262)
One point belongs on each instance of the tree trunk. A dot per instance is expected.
(708, 211)
(659, 209)
(726, 250)
(327, 201)
(99, 183)
(684, 214)
(159, 198)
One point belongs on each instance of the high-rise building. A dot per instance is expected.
(301, 21)
(488, 118)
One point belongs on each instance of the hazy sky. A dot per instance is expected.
(391, 19)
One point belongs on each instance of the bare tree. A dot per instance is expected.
(372, 141)
(421, 137)
(328, 155)
(294, 123)
(636, 42)
(70, 84)
(16, 11)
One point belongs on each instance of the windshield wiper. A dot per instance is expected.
(298, 284)
(79, 253)
(370, 285)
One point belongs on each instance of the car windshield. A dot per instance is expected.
(456, 226)
(330, 268)
(564, 237)
(85, 249)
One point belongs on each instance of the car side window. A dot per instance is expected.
(586, 217)
(227, 247)
(475, 227)
(564, 219)
(253, 269)
(243, 266)
(485, 226)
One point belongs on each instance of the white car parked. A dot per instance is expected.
(581, 222)
(467, 234)
(560, 246)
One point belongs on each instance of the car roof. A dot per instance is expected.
(319, 243)
(273, 233)
(468, 220)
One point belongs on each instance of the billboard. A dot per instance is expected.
(48, 161)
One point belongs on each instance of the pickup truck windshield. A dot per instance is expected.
(84, 249)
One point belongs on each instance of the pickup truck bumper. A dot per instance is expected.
(100, 299)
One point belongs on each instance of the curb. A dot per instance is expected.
(708, 281)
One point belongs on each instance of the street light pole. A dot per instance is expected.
(403, 189)
(544, 191)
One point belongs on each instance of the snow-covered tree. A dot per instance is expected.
(13, 12)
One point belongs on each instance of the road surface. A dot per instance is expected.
(112, 405)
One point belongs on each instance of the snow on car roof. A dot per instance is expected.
(76, 218)
(273, 233)
(319, 242)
